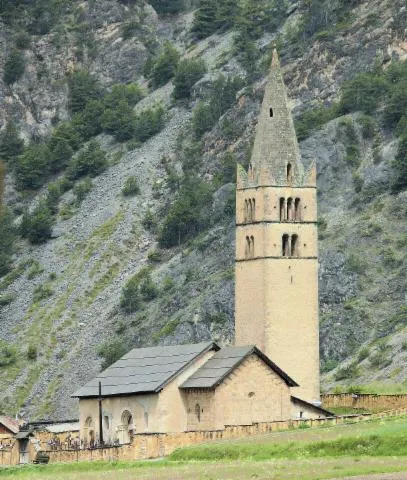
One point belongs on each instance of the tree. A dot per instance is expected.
(168, 6)
(189, 71)
(119, 121)
(227, 13)
(148, 123)
(110, 352)
(205, 19)
(11, 145)
(89, 161)
(37, 226)
(7, 239)
(14, 67)
(164, 67)
(88, 123)
(83, 87)
(68, 132)
(400, 167)
(32, 167)
(60, 153)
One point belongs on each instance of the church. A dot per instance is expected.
(271, 372)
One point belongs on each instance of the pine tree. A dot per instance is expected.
(227, 14)
(205, 19)
(11, 145)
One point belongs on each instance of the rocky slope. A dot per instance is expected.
(94, 252)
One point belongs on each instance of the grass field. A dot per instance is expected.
(309, 454)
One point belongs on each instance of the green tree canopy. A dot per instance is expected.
(189, 71)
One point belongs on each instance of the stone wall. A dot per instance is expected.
(147, 446)
(367, 401)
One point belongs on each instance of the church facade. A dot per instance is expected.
(272, 371)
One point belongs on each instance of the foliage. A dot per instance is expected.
(312, 119)
(362, 93)
(350, 370)
(37, 226)
(148, 123)
(188, 72)
(32, 166)
(168, 6)
(14, 67)
(81, 190)
(32, 352)
(110, 352)
(164, 66)
(221, 97)
(83, 87)
(8, 354)
(130, 94)
(11, 145)
(131, 187)
(140, 287)
(119, 121)
(7, 239)
(205, 17)
(88, 122)
(43, 291)
(91, 161)
(189, 214)
(399, 180)
(6, 299)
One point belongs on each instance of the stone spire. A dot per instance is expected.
(276, 147)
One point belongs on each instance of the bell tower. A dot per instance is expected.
(276, 268)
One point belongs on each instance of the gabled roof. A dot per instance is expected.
(144, 370)
(10, 424)
(322, 411)
(217, 368)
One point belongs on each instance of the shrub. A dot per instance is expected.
(189, 71)
(119, 121)
(60, 153)
(89, 161)
(83, 87)
(363, 354)
(313, 119)
(81, 190)
(189, 214)
(69, 133)
(138, 288)
(22, 40)
(149, 221)
(399, 177)
(8, 354)
(130, 187)
(7, 239)
(41, 292)
(110, 352)
(130, 94)
(14, 67)
(148, 123)
(129, 29)
(155, 256)
(37, 226)
(6, 299)
(35, 269)
(168, 6)
(363, 93)
(88, 122)
(32, 352)
(348, 371)
(11, 145)
(368, 126)
(32, 167)
(164, 67)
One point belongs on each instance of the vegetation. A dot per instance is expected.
(8, 354)
(161, 69)
(11, 145)
(37, 225)
(188, 72)
(14, 67)
(7, 239)
(110, 352)
(138, 289)
(89, 161)
(131, 187)
(168, 6)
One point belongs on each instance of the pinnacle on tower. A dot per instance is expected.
(276, 148)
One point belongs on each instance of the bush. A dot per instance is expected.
(81, 190)
(22, 40)
(37, 226)
(6, 299)
(66, 131)
(130, 94)
(348, 371)
(130, 187)
(189, 214)
(149, 221)
(89, 161)
(8, 354)
(7, 239)
(88, 122)
(60, 153)
(119, 121)
(189, 71)
(14, 67)
(35, 269)
(41, 292)
(168, 6)
(221, 97)
(313, 119)
(205, 19)
(399, 178)
(83, 87)
(148, 123)
(11, 145)
(164, 67)
(129, 29)
(363, 93)
(110, 352)
(140, 287)
(32, 352)
(32, 167)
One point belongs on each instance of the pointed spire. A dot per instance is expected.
(276, 147)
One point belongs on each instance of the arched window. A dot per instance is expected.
(271, 112)
(89, 432)
(246, 211)
(253, 213)
(285, 246)
(198, 412)
(252, 247)
(289, 173)
(127, 426)
(250, 209)
(282, 210)
(297, 210)
(290, 208)
(247, 248)
(294, 246)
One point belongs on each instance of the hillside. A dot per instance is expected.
(96, 268)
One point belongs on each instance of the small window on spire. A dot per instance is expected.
(271, 113)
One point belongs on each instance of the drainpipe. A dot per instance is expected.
(100, 415)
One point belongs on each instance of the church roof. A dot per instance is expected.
(217, 368)
(10, 424)
(144, 370)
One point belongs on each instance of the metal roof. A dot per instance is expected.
(144, 370)
(214, 371)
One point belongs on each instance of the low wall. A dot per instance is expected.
(364, 400)
(155, 445)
